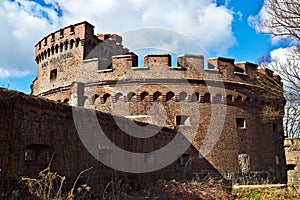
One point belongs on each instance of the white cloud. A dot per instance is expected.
(22, 24)
(286, 63)
(281, 55)
(26, 22)
(255, 21)
(264, 19)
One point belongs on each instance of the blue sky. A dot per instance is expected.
(221, 27)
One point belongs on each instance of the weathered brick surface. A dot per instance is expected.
(292, 147)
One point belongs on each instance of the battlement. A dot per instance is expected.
(71, 38)
(192, 66)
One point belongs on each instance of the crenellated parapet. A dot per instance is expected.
(70, 38)
(61, 54)
(192, 67)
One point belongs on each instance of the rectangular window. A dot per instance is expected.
(183, 120)
(72, 29)
(52, 37)
(45, 41)
(61, 33)
(240, 123)
(53, 74)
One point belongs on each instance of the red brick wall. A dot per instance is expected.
(27, 121)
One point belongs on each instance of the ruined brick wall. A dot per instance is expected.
(292, 152)
(33, 129)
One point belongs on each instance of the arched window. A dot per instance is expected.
(56, 48)
(61, 47)
(229, 98)
(182, 96)
(131, 96)
(238, 99)
(156, 96)
(66, 45)
(218, 98)
(77, 42)
(45, 54)
(105, 97)
(48, 52)
(206, 98)
(94, 98)
(66, 100)
(144, 95)
(52, 50)
(71, 44)
(247, 100)
(118, 96)
(195, 97)
(169, 95)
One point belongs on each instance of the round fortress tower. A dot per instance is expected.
(60, 54)
(81, 69)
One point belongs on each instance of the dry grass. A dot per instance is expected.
(266, 194)
(48, 186)
(165, 190)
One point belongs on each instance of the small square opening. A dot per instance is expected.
(241, 123)
(53, 74)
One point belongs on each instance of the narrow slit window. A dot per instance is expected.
(72, 29)
(61, 33)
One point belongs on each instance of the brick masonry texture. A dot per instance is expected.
(292, 152)
(77, 68)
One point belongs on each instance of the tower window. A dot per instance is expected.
(45, 41)
(61, 33)
(241, 123)
(53, 74)
(72, 29)
(206, 98)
